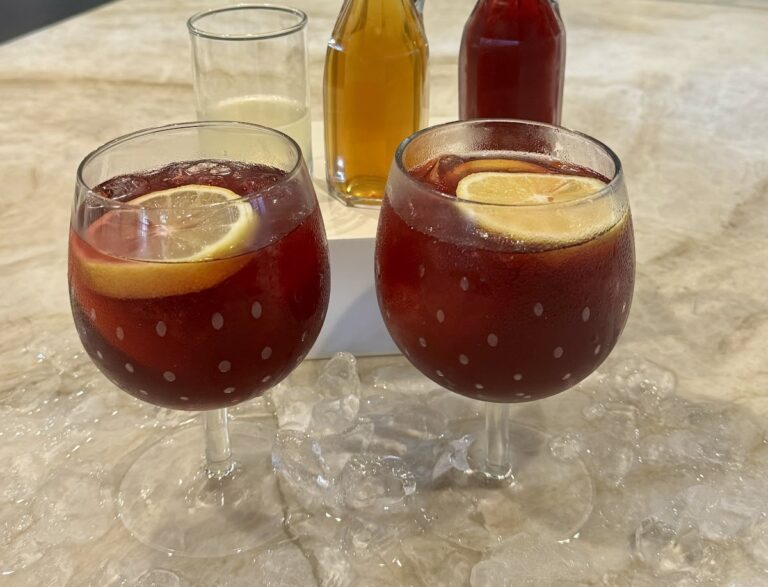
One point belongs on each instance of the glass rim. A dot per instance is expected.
(197, 31)
(222, 124)
(608, 189)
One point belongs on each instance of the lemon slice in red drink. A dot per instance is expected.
(170, 242)
(520, 205)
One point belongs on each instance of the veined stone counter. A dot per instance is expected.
(670, 427)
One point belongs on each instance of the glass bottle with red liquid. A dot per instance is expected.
(512, 61)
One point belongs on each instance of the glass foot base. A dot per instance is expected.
(543, 494)
(167, 501)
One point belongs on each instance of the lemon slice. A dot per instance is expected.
(518, 205)
(168, 242)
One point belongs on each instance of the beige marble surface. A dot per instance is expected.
(678, 89)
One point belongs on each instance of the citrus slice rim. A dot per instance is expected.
(237, 231)
(604, 189)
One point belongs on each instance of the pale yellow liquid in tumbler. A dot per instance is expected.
(375, 94)
(276, 112)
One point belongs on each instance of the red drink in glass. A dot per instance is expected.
(203, 334)
(512, 61)
(489, 315)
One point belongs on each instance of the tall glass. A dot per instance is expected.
(250, 64)
(199, 278)
(508, 298)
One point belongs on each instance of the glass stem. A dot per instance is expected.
(218, 456)
(498, 447)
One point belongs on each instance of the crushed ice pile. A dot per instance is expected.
(681, 485)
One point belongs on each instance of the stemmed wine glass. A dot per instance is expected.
(504, 272)
(199, 278)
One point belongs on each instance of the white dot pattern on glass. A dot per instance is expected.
(256, 310)
(479, 386)
(566, 377)
(266, 352)
(439, 373)
(143, 392)
(597, 349)
(119, 333)
(303, 336)
(225, 366)
(558, 352)
(538, 309)
(422, 270)
(585, 314)
(265, 379)
(93, 314)
(440, 315)
(184, 398)
(519, 394)
(623, 307)
(423, 341)
(129, 368)
(161, 329)
(217, 321)
(464, 283)
(229, 390)
(527, 397)
(464, 359)
(517, 376)
(169, 376)
(492, 340)
(98, 354)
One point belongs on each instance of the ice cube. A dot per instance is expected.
(337, 449)
(668, 548)
(403, 378)
(726, 508)
(298, 459)
(218, 168)
(642, 382)
(339, 376)
(293, 406)
(334, 415)
(124, 187)
(363, 539)
(373, 485)
(568, 446)
(454, 456)
(410, 422)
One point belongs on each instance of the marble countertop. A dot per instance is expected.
(677, 89)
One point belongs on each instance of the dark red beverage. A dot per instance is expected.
(486, 308)
(512, 61)
(206, 333)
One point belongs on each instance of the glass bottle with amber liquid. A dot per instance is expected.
(375, 94)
